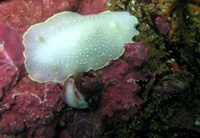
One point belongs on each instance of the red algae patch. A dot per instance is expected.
(35, 104)
(21, 14)
(91, 6)
(11, 45)
(12, 123)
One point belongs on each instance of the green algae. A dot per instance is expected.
(167, 112)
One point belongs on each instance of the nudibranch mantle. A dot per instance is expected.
(68, 43)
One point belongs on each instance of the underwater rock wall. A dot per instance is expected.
(31, 109)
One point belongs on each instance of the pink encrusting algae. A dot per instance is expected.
(34, 109)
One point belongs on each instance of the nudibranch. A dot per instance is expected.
(82, 91)
(69, 43)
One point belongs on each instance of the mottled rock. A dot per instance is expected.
(11, 45)
(136, 54)
(36, 104)
(12, 123)
(91, 6)
(118, 99)
(163, 27)
(29, 12)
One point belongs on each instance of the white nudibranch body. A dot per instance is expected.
(68, 43)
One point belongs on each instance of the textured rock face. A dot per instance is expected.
(25, 106)
(12, 123)
(135, 54)
(11, 45)
(34, 103)
(85, 7)
(163, 27)
(8, 75)
(118, 100)
(33, 109)
(30, 12)
(10, 58)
